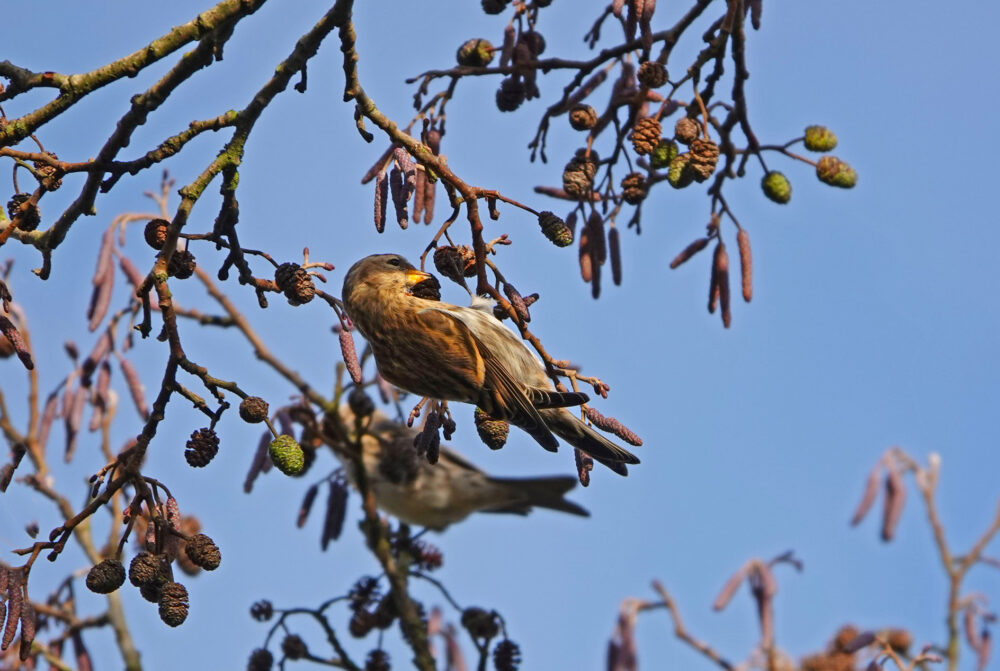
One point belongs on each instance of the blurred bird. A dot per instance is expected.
(447, 352)
(411, 489)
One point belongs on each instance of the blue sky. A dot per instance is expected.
(874, 323)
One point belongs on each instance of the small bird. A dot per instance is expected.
(417, 492)
(443, 351)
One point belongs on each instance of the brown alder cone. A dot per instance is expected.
(746, 263)
(447, 352)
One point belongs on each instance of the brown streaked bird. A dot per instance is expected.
(431, 348)
(411, 489)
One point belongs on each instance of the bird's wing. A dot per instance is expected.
(453, 358)
(459, 461)
(502, 396)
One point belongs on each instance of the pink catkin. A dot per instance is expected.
(350, 356)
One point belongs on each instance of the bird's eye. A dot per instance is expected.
(393, 262)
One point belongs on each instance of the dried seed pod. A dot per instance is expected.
(507, 48)
(381, 200)
(28, 626)
(493, 432)
(861, 640)
(261, 659)
(336, 511)
(746, 263)
(586, 263)
(428, 441)
(729, 589)
(181, 264)
(398, 199)
(201, 447)
(418, 196)
(868, 498)
(895, 498)
(15, 603)
(720, 275)
(704, 157)
(510, 95)
(506, 656)
(203, 551)
(517, 302)
(595, 280)
(253, 409)
(582, 117)
(455, 262)
(480, 623)
(73, 420)
(146, 569)
(689, 251)
(686, 130)
(100, 298)
(429, 193)
(599, 249)
(294, 647)
(494, 6)
(350, 355)
(613, 425)
(106, 577)
(155, 233)
(475, 53)
(173, 604)
(260, 463)
(584, 465)
(13, 336)
(306, 506)
(652, 74)
(645, 135)
(135, 387)
(634, 188)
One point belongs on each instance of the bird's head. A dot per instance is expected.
(389, 273)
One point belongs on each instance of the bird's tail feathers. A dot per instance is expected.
(587, 440)
(546, 492)
(546, 398)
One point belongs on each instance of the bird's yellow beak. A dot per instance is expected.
(414, 277)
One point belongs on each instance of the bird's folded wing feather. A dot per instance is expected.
(452, 351)
(502, 395)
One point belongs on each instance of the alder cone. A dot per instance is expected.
(646, 135)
